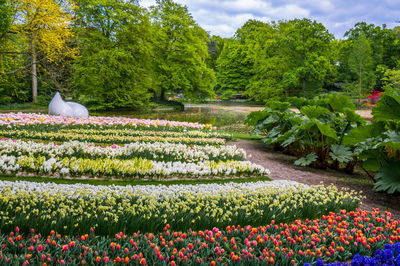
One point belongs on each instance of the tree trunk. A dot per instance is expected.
(34, 72)
(162, 95)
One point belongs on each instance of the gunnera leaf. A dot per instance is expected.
(314, 111)
(388, 178)
(341, 153)
(338, 103)
(306, 160)
(361, 134)
(388, 107)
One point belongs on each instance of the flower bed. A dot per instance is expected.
(141, 132)
(390, 255)
(62, 136)
(130, 168)
(40, 119)
(333, 237)
(160, 151)
(110, 209)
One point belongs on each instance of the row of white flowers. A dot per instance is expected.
(78, 189)
(110, 209)
(143, 132)
(99, 138)
(159, 151)
(131, 168)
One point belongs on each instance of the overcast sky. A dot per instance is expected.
(223, 17)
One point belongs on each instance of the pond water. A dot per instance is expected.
(217, 115)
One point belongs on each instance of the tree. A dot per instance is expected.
(6, 14)
(234, 69)
(305, 49)
(261, 44)
(116, 43)
(45, 25)
(181, 53)
(362, 65)
(385, 47)
(215, 47)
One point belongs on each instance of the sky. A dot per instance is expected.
(224, 17)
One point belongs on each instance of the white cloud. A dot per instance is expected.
(224, 17)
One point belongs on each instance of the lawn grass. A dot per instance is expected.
(240, 135)
(105, 182)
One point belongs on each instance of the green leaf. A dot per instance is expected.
(341, 153)
(314, 111)
(298, 102)
(339, 103)
(277, 105)
(393, 140)
(353, 117)
(253, 118)
(326, 130)
(361, 134)
(306, 160)
(389, 178)
(388, 107)
(371, 164)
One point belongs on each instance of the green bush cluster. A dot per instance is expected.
(327, 132)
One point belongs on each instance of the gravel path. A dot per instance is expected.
(282, 167)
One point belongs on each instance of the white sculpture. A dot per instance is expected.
(58, 107)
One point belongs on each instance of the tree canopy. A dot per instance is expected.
(118, 54)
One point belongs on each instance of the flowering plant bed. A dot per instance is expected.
(333, 237)
(101, 138)
(135, 168)
(390, 255)
(22, 119)
(110, 209)
(160, 151)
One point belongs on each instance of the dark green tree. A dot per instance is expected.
(181, 53)
(115, 66)
(215, 47)
(305, 47)
(261, 45)
(361, 64)
(234, 69)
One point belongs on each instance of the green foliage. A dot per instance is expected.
(315, 135)
(306, 160)
(388, 107)
(388, 178)
(181, 51)
(233, 68)
(6, 17)
(115, 69)
(377, 145)
(362, 65)
(341, 153)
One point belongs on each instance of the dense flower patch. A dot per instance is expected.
(100, 138)
(390, 255)
(38, 119)
(129, 168)
(160, 151)
(141, 132)
(110, 209)
(333, 237)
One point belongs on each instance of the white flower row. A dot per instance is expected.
(159, 151)
(77, 190)
(136, 167)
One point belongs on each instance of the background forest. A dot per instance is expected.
(112, 54)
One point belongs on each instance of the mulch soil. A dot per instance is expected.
(282, 167)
